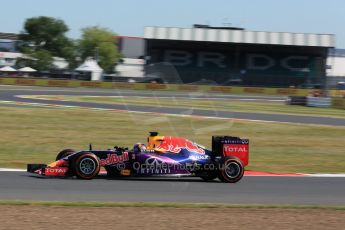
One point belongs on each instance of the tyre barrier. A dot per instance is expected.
(320, 102)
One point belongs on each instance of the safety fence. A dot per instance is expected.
(168, 87)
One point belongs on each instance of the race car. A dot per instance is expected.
(161, 156)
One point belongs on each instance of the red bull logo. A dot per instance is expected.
(113, 159)
(176, 144)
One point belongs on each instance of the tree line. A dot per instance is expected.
(44, 37)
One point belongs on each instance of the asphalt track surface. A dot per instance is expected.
(250, 190)
(8, 93)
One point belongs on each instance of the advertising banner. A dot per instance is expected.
(20, 81)
(243, 64)
(221, 89)
(58, 83)
(192, 88)
(155, 86)
(90, 84)
(170, 87)
(123, 85)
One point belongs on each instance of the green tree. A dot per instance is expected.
(99, 43)
(40, 60)
(45, 37)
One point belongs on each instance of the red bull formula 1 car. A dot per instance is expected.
(162, 156)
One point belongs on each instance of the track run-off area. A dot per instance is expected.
(265, 190)
(12, 95)
(262, 188)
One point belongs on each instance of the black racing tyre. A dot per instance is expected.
(86, 166)
(231, 170)
(64, 153)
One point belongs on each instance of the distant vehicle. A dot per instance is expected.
(162, 156)
(341, 85)
(310, 86)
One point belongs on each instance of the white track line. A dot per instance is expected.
(328, 175)
(11, 170)
(335, 175)
(47, 98)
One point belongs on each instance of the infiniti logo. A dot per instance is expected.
(153, 165)
(152, 161)
(245, 141)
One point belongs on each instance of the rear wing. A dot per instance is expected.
(231, 146)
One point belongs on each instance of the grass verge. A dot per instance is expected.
(32, 135)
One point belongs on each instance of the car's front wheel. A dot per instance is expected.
(64, 153)
(86, 166)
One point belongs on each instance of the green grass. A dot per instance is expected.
(163, 205)
(224, 105)
(31, 135)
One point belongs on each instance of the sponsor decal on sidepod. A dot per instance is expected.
(175, 145)
(60, 171)
(114, 158)
(236, 148)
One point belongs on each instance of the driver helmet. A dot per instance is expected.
(139, 147)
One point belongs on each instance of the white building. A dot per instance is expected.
(9, 58)
(91, 66)
(8, 51)
(336, 63)
(130, 67)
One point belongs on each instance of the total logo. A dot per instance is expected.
(114, 158)
(54, 171)
(235, 148)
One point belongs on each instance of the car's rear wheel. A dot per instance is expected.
(231, 170)
(64, 153)
(86, 166)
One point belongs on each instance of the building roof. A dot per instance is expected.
(239, 36)
(9, 36)
(336, 53)
(89, 65)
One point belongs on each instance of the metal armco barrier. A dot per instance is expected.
(322, 102)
